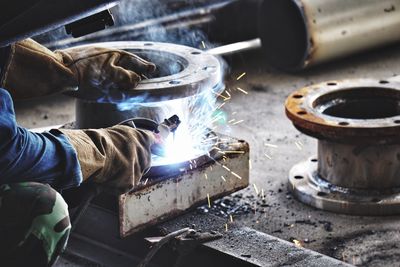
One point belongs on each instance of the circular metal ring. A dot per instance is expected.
(183, 71)
(329, 110)
(306, 185)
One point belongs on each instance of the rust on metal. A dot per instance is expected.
(302, 108)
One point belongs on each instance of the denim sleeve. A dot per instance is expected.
(37, 157)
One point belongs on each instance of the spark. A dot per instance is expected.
(231, 218)
(262, 193)
(223, 178)
(206, 176)
(144, 76)
(268, 156)
(190, 166)
(298, 243)
(256, 189)
(209, 200)
(233, 113)
(237, 122)
(299, 145)
(232, 120)
(270, 145)
(250, 165)
(240, 76)
(145, 182)
(242, 90)
(203, 44)
(226, 168)
(226, 227)
(229, 95)
(220, 106)
(237, 175)
(220, 95)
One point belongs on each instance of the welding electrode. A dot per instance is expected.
(163, 129)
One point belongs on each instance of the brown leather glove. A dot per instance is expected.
(33, 70)
(116, 157)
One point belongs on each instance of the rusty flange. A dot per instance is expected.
(354, 110)
(357, 124)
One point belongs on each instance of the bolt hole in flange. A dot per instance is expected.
(298, 177)
(322, 194)
(297, 96)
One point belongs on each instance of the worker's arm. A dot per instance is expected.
(116, 157)
(31, 70)
(26, 156)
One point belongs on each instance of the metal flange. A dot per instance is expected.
(183, 75)
(357, 124)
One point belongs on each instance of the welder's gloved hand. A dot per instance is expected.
(115, 157)
(33, 70)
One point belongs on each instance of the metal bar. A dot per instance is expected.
(235, 47)
(156, 202)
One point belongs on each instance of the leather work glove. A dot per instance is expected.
(115, 157)
(33, 70)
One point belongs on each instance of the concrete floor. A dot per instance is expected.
(366, 241)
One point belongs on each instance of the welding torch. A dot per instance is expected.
(162, 129)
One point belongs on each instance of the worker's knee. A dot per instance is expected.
(48, 223)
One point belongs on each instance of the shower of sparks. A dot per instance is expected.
(256, 189)
(203, 44)
(268, 156)
(240, 76)
(231, 218)
(270, 145)
(242, 90)
(236, 175)
(299, 145)
(237, 122)
(223, 178)
(209, 200)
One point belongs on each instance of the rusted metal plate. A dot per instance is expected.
(173, 196)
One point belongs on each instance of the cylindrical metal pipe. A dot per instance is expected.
(297, 34)
(373, 167)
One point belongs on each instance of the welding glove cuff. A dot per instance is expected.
(32, 70)
(115, 157)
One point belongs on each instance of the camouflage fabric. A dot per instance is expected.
(34, 224)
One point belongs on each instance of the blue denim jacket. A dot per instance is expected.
(39, 157)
